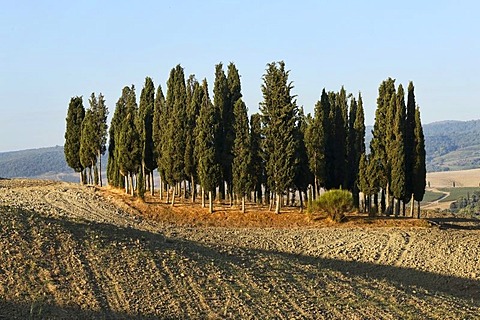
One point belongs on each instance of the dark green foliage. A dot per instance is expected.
(173, 149)
(339, 136)
(316, 139)
(222, 106)
(419, 169)
(357, 140)
(397, 147)
(129, 143)
(193, 111)
(257, 167)
(88, 148)
(335, 203)
(145, 126)
(209, 170)
(114, 175)
(241, 151)
(160, 123)
(409, 141)
(303, 176)
(279, 113)
(75, 115)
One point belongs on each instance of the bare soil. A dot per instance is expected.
(69, 251)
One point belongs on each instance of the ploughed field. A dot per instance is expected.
(69, 251)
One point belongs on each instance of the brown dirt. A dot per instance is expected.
(72, 251)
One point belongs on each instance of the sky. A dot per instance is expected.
(51, 51)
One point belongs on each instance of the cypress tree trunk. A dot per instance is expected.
(160, 190)
(382, 203)
(418, 212)
(131, 185)
(167, 190)
(412, 206)
(126, 184)
(279, 203)
(100, 168)
(375, 202)
(203, 197)
(243, 204)
(403, 208)
(81, 177)
(301, 201)
(173, 195)
(152, 184)
(210, 202)
(193, 188)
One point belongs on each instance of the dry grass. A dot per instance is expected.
(186, 214)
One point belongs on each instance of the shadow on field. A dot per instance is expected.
(203, 255)
(457, 223)
(42, 310)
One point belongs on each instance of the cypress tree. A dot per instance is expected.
(88, 150)
(241, 152)
(114, 175)
(409, 144)
(279, 112)
(221, 103)
(380, 134)
(397, 150)
(303, 176)
(228, 119)
(257, 167)
(101, 114)
(173, 151)
(316, 141)
(129, 146)
(209, 169)
(357, 134)
(419, 167)
(341, 139)
(193, 111)
(159, 126)
(330, 142)
(145, 130)
(73, 132)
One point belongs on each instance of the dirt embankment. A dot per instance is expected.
(71, 251)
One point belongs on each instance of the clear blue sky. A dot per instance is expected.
(53, 50)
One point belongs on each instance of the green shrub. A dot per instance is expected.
(335, 203)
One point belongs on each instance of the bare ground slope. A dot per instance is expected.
(70, 251)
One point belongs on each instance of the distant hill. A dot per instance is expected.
(43, 163)
(450, 145)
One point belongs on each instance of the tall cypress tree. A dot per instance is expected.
(419, 167)
(228, 119)
(241, 152)
(380, 134)
(173, 151)
(159, 126)
(257, 167)
(316, 141)
(129, 146)
(221, 103)
(101, 114)
(397, 150)
(114, 175)
(303, 175)
(358, 148)
(410, 144)
(88, 149)
(279, 112)
(209, 170)
(193, 111)
(145, 130)
(73, 132)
